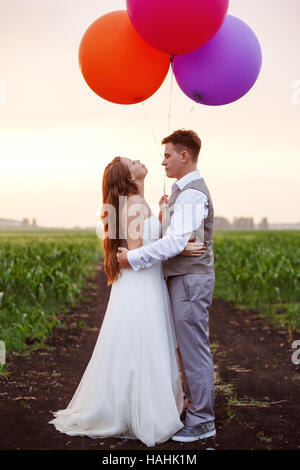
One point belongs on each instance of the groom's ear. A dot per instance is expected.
(185, 156)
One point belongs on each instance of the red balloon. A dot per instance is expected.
(177, 26)
(117, 63)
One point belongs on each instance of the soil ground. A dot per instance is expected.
(257, 399)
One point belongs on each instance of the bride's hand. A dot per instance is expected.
(193, 249)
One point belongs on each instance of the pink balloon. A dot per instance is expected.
(177, 26)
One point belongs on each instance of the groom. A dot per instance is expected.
(190, 280)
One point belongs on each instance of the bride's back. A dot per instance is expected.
(134, 213)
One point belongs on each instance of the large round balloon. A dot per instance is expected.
(117, 63)
(177, 26)
(224, 69)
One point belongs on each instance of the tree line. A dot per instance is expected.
(240, 223)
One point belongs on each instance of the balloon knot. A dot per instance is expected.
(171, 58)
(198, 98)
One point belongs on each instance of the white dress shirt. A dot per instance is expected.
(184, 221)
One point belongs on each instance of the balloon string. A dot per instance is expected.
(150, 127)
(169, 116)
(189, 115)
(153, 135)
(171, 90)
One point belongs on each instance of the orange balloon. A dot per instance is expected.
(117, 63)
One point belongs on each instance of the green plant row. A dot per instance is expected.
(40, 276)
(260, 270)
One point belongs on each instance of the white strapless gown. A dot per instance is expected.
(132, 385)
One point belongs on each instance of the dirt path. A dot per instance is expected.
(257, 386)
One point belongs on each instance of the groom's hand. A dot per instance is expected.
(163, 203)
(122, 258)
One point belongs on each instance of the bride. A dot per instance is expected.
(132, 385)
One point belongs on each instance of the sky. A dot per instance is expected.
(57, 135)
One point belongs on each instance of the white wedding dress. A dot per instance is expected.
(132, 385)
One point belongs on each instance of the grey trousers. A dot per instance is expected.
(191, 295)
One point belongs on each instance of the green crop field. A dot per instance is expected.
(260, 270)
(40, 273)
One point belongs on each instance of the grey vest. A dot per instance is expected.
(179, 265)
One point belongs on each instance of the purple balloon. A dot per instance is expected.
(224, 69)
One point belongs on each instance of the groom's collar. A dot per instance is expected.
(186, 179)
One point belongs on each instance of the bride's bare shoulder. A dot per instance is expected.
(138, 201)
(135, 199)
(137, 204)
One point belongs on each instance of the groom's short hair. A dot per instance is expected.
(185, 140)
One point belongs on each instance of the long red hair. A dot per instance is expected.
(116, 182)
